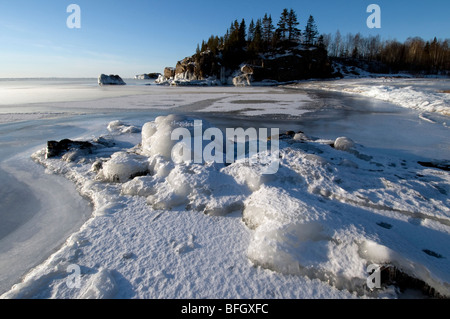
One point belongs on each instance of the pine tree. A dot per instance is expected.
(257, 42)
(204, 46)
(267, 28)
(321, 42)
(283, 25)
(292, 23)
(251, 31)
(242, 34)
(197, 53)
(311, 31)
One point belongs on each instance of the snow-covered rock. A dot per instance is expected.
(104, 79)
(344, 144)
(242, 80)
(123, 167)
(119, 127)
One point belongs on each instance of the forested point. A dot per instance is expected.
(261, 36)
(243, 42)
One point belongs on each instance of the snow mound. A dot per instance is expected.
(123, 167)
(120, 127)
(100, 286)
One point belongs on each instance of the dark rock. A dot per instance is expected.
(148, 76)
(432, 253)
(288, 135)
(391, 275)
(104, 79)
(169, 72)
(153, 76)
(55, 149)
(384, 225)
(445, 166)
(186, 69)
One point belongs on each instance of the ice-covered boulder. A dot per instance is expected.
(104, 79)
(344, 144)
(119, 127)
(123, 167)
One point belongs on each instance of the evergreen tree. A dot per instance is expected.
(292, 23)
(267, 28)
(283, 25)
(242, 34)
(251, 31)
(233, 36)
(311, 31)
(257, 42)
(204, 46)
(321, 42)
(213, 44)
(197, 53)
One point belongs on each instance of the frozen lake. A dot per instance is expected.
(39, 211)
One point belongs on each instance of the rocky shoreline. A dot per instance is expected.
(281, 66)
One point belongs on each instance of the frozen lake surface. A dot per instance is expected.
(40, 211)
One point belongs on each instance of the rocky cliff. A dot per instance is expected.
(278, 66)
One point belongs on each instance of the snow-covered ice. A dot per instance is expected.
(168, 228)
(418, 94)
(188, 230)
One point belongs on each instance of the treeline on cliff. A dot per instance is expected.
(283, 50)
(245, 43)
(279, 51)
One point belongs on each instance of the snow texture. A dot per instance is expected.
(168, 229)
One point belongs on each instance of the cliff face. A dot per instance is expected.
(283, 65)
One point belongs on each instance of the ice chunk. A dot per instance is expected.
(156, 137)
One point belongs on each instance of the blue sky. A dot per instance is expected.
(141, 36)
